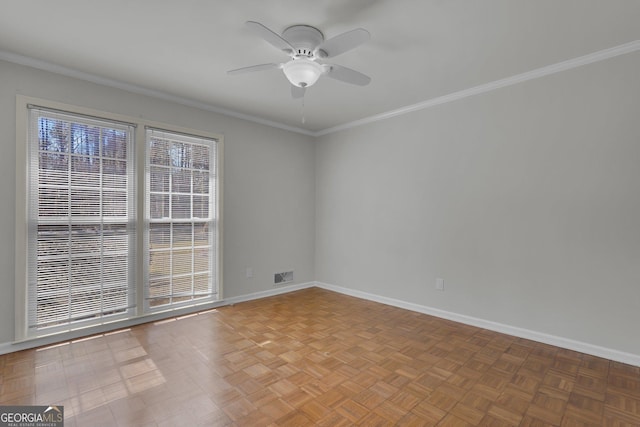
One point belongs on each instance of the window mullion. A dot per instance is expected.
(141, 170)
(101, 187)
(70, 232)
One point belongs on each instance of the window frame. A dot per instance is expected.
(140, 248)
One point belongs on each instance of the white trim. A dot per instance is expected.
(269, 293)
(20, 222)
(582, 347)
(497, 84)
(594, 350)
(569, 64)
(69, 72)
(7, 347)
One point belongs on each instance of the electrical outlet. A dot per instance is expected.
(439, 284)
(249, 272)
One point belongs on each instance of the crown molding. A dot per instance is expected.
(569, 64)
(491, 86)
(69, 72)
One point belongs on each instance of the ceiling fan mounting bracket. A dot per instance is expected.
(304, 38)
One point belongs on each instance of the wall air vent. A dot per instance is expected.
(284, 277)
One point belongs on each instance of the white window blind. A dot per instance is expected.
(81, 221)
(182, 220)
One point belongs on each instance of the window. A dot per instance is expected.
(80, 211)
(97, 192)
(181, 203)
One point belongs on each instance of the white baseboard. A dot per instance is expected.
(6, 347)
(582, 347)
(594, 350)
(271, 292)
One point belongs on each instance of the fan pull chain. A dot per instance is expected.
(302, 111)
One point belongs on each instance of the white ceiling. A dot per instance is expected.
(419, 49)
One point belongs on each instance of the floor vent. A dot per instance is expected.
(285, 277)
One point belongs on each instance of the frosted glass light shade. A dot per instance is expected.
(302, 72)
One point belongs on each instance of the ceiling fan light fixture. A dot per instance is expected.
(302, 72)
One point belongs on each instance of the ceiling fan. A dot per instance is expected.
(306, 45)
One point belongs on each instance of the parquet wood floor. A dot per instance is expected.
(314, 357)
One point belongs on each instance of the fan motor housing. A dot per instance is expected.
(304, 38)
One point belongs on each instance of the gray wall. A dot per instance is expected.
(526, 200)
(269, 213)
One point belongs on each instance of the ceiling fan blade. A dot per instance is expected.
(270, 37)
(252, 68)
(297, 92)
(342, 43)
(347, 75)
